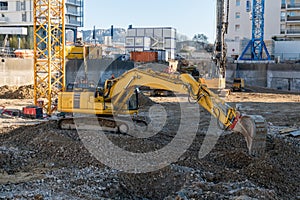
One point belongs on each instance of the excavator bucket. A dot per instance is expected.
(254, 129)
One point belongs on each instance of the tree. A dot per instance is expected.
(201, 38)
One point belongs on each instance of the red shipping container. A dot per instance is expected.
(144, 56)
(33, 112)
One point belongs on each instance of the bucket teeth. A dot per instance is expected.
(259, 138)
(254, 129)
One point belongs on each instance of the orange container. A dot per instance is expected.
(24, 53)
(144, 56)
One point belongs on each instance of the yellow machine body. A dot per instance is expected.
(238, 84)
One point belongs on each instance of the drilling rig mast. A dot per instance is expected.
(49, 54)
(220, 46)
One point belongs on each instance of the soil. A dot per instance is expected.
(43, 162)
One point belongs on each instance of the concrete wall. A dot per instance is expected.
(284, 77)
(98, 70)
(254, 74)
(16, 71)
(287, 50)
(277, 76)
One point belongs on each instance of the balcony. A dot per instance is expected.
(293, 31)
(75, 2)
(74, 13)
(293, 18)
(74, 22)
(293, 6)
(3, 7)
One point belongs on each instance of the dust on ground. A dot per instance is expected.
(44, 162)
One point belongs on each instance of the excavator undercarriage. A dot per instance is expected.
(118, 125)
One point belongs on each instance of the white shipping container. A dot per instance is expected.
(173, 33)
(158, 32)
(170, 43)
(139, 41)
(149, 32)
(128, 50)
(138, 49)
(131, 32)
(167, 33)
(159, 38)
(129, 41)
(147, 42)
(140, 32)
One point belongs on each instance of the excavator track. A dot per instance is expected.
(120, 125)
(254, 128)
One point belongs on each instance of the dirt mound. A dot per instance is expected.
(58, 166)
(14, 92)
(227, 172)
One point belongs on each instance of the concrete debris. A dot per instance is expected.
(12, 92)
(43, 162)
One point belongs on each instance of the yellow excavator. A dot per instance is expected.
(118, 97)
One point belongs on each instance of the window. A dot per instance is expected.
(23, 7)
(237, 15)
(248, 6)
(292, 2)
(237, 2)
(129, 41)
(282, 16)
(290, 14)
(24, 19)
(237, 27)
(138, 41)
(3, 5)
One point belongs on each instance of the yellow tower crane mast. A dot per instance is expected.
(49, 51)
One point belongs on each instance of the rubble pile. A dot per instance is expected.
(44, 162)
(13, 92)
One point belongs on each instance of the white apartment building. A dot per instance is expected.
(16, 14)
(281, 30)
(16, 17)
(290, 19)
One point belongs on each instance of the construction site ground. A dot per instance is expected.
(40, 161)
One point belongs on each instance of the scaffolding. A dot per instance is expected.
(49, 54)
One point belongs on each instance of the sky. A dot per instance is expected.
(188, 17)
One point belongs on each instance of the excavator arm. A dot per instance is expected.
(182, 83)
(253, 127)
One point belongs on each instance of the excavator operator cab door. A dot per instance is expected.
(133, 102)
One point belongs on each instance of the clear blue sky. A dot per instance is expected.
(187, 16)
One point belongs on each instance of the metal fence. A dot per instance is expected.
(287, 56)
